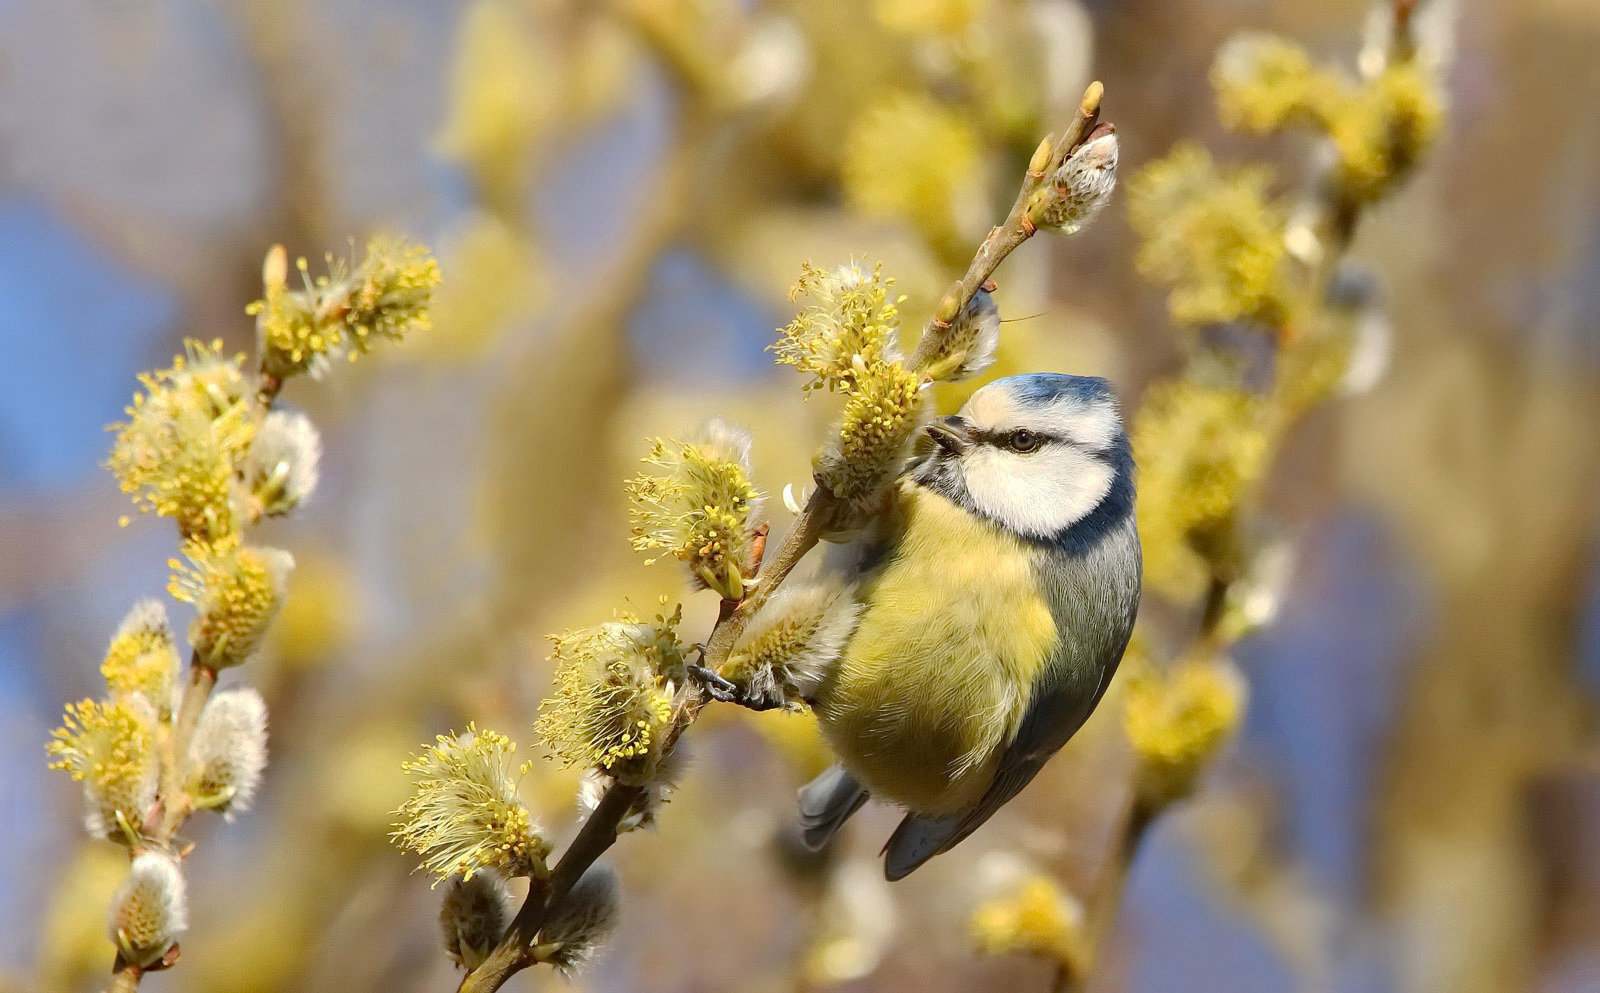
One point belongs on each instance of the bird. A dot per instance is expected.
(984, 614)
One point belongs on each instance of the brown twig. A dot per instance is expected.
(513, 954)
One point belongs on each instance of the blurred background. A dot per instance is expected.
(620, 194)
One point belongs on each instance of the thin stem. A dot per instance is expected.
(125, 977)
(1106, 902)
(1062, 981)
(173, 805)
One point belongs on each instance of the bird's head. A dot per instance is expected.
(1038, 455)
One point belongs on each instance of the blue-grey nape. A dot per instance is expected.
(1048, 387)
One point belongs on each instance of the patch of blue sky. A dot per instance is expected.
(75, 328)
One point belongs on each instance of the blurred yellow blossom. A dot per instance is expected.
(910, 157)
(1378, 127)
(1034, 918)
(1177, 720)
(503, 97)
(1213, 236)
(1200, 448)
(928, 17)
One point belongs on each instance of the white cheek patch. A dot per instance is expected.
(1038, 495)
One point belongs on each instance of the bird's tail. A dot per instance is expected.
(826, 803)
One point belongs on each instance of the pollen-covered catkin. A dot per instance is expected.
(617, 688)
(883, 412)
(385, 296)
(178, 450)
(465, 814)
(143, 656)
(237, 591)
(850, 327)
(110, 749)
(697, 504)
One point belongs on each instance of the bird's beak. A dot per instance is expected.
(951, 434)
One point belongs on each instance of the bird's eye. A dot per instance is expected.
(1023, 440)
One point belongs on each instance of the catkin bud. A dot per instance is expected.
(967, 346)
(583, 921)
(280, 470)
(473, 916)
(229, 750)
(149, 910)
(781, 656)
(1081, 186)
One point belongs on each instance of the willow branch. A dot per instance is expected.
(1018, 226)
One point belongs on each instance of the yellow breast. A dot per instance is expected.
(937, 676)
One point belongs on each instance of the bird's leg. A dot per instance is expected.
(721, 690)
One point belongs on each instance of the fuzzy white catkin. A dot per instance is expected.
(1083, 185)
(584, 920)
(282, 466)
(150, 909)
(473, 916)
(229, 750)
(977, 328)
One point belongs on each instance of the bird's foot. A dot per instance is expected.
(721, 690)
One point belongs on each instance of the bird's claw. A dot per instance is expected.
(716, 687)
(722, 691)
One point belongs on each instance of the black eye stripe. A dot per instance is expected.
(1002, 439)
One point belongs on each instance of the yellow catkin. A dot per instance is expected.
(464, 814)
(615, 697)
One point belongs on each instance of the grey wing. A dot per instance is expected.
(1053, 717)
(826, 803)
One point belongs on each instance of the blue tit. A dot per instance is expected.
(990, 604)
